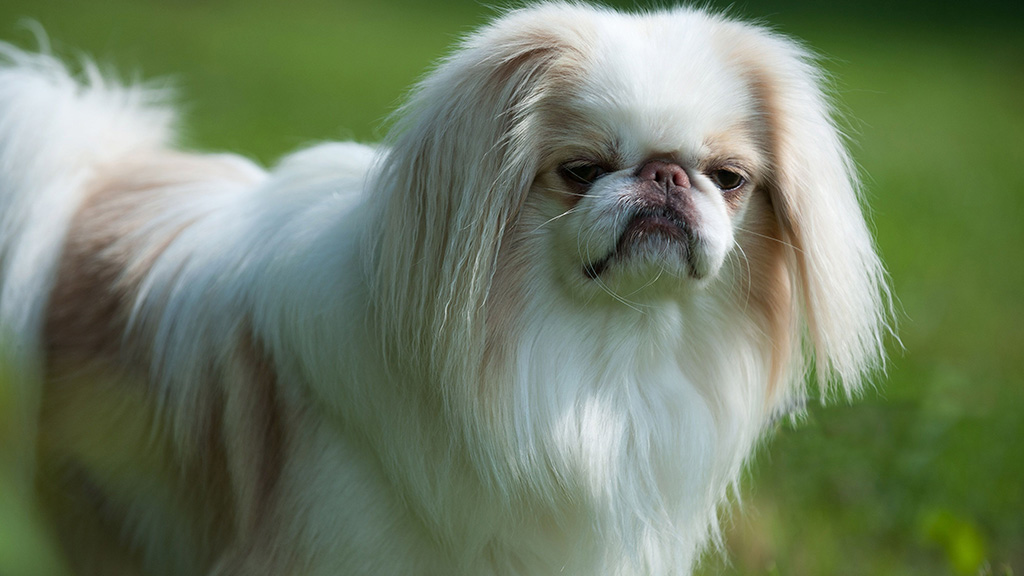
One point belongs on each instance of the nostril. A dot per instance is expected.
(667, 174)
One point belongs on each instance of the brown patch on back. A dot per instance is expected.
(254, 432)
(99, 273)
(111, 469)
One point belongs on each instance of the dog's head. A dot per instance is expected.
(617, 159)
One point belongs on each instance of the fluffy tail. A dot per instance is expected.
(55, 130)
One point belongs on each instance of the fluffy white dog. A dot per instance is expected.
(538, 332)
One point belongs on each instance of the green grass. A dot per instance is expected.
(923, 475)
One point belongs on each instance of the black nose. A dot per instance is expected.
(667, 174)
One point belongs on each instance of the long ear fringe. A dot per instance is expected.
(453, 181)
(841, 285)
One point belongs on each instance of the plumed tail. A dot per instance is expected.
(56, 129)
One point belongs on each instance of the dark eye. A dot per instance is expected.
(581, 174)
(726, 180)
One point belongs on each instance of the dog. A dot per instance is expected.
(538, 330)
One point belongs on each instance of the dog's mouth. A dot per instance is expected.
(651, 232)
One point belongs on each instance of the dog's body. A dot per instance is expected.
(375, 362)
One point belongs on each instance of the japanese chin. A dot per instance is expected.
(538, 331)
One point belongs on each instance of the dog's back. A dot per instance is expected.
(88, 193)
(150, 424)
(53, 132)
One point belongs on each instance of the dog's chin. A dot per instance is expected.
(655, 252)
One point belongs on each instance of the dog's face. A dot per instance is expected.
(651, 151)
(647, 148)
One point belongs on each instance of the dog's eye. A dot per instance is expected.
(726, 180)
(582, 174)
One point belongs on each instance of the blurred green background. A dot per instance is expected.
(922, 475)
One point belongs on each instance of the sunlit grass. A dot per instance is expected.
(26, 544)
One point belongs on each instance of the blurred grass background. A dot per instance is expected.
(923, 475)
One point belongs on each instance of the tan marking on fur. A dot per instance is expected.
(107, 455)
(740, 148)
(254, 431)
(561, 72)
(776, 252)
(504, 306)
(767, 287)
(741, 144)
(99, 273)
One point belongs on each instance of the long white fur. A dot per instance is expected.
(424, 438)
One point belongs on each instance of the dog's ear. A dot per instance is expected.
(462, 158)
(840, 283)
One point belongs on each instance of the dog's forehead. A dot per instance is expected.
(663, 81)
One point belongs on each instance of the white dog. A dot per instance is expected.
(537, 333)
